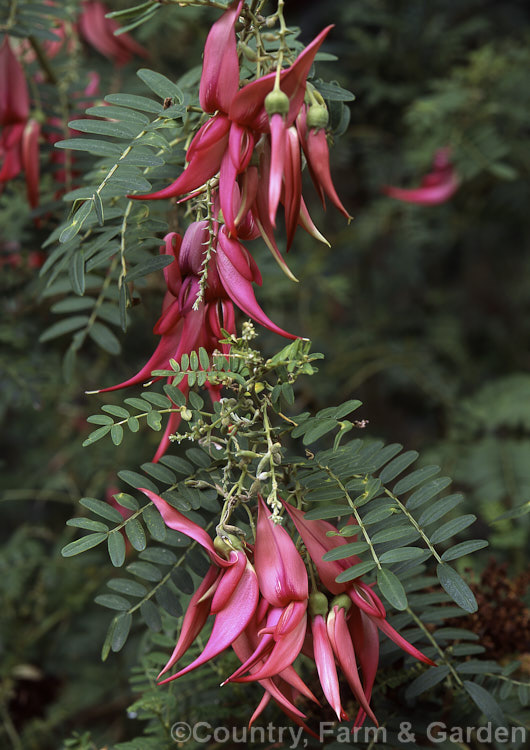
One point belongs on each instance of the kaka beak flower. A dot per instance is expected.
(30, 160)
(204, 158)
(314, 536)
(324, 658)
(341, 643)
(98, 31)
(237, 270)
(438, 186)
(234, 591)
(14, 96)
(220, 70)
(311, 126)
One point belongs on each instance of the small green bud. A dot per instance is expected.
(318, 604)
(186, 414)
(276, 103)
(317, 117)
(342, 601)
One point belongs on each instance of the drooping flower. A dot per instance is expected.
(438, 186)
(230, 589)
(98, 31)
(19, 136)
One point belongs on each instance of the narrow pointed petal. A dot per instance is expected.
(281, 572)
(261, 215)
(426, 196)
(282, 655)
(172, 275)
(278, 135)
(293, 184)
(220, 70)
(241, 146)
(14, 95)
(194, 618)
(237, 254)
(314, 536)
(388, 630)
(364, 598)
(204, 163)
(240, 291)
(317, 153)
(229, 192)
(229, 581)
(259, 708)
(325, 661)
(243, 649)
(30, 160)
(306, 222)
(249, 189)
(342, 646)
(365, 639)
(178, 521)
(230, 621)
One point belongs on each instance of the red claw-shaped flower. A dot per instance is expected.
(98, 31)
(220, 69)
(438, 186)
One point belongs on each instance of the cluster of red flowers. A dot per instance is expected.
(20, 133)
(254, 143)
(259, 595)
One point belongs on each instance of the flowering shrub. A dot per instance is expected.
(329, 578)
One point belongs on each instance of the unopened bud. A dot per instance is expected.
(317, 117)
(186, 414)
(276, 103)
(248, 52)
(342, 601)
(318, 604)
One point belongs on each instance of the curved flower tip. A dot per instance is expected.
(436, 187)
(220, 71)
(14, 95)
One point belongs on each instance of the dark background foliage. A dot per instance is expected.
(422, 313)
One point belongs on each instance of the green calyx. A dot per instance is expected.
(276, 103)
(317, 117)
(318, 604)
(225, 543)
(342, 601)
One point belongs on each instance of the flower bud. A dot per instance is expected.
(318, 604)
(317, 117)
(342, 601)
(276, 103)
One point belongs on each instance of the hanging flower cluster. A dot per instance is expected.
(19, 134)
(259, 596)
(248, 158)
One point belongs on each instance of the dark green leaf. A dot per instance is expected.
(113, 601)
(63, 326)
(116, 434)
(397, 466)
(104, 338)
(155, 523)
(137, 480)
(427, 680)
(132, 101)
(81, 545)
(135, 534)
(149, 266)
(162, 473)
(96, 435)
(160, 84)
(93, 146)
(401, 554)
(436, 510)
(127, 586)
(151, 615)
(88, 524)
(464, 548)
(427, 492)
(121, 631)
(145, 570)
(391, 588)
(451, 528)
(456, 587)
(355, 571)
(485, 701)
(116, 545)
(414, 479)
(101, 508)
